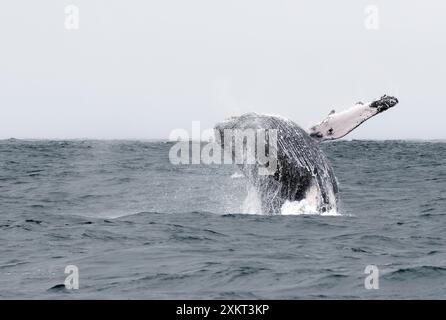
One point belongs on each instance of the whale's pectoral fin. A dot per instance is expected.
(337, 125)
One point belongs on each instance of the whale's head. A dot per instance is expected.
(251, 141)
(244, 123)
(219, 129)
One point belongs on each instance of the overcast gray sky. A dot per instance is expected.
(141, 68)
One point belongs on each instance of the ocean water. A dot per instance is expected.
(139, 227)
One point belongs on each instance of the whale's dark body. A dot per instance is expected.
(301, 165)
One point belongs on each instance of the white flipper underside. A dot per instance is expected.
(337, 125)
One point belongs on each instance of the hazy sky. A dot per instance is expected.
(141, 68)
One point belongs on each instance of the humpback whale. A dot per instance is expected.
(302, 171)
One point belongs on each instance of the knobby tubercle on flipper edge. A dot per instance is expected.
(384, 103)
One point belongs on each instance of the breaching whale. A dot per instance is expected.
(302, 170)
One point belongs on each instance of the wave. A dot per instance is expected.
(419, 271)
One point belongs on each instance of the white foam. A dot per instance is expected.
(304, 207)
(307, 206)
(252, 203)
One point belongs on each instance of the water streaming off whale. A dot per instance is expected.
(303, 172)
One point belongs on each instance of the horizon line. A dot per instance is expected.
(192, 140)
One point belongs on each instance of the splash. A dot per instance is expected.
(308, 206)
(252, 203)
(304, 207)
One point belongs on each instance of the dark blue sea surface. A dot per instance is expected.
(137, 226)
